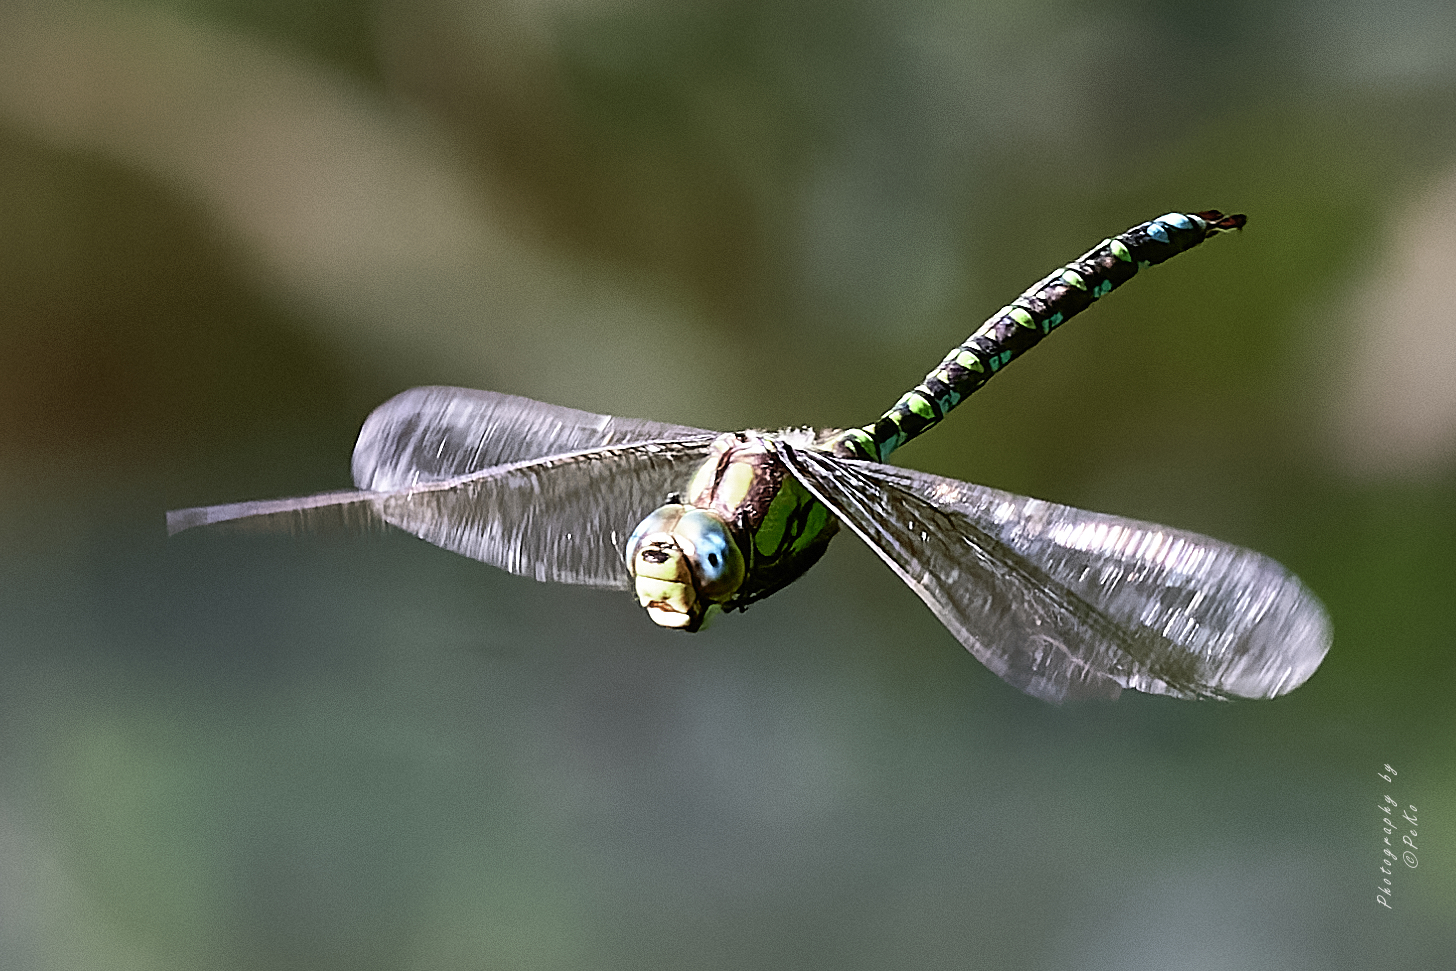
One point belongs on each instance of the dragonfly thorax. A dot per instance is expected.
(745, 528)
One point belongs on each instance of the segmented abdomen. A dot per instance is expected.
(1014, 329)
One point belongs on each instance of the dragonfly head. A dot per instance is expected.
(683, 562)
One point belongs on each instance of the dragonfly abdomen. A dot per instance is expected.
(1017, 327)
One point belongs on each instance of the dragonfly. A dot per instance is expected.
(1061, 603)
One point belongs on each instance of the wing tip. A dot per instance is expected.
(180, 519)
(354, 508)
(1296, 641)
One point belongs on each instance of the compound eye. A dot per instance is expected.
(716, 561)
(660, 521)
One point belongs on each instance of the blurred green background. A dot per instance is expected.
(229, 228)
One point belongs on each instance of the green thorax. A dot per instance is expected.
(780, 528)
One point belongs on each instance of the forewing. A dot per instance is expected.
(435, 434)
(1068, 604)
(563, 519)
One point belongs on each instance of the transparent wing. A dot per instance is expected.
(1066, 604)
(349, 511)
(563, 519)
(434, 434)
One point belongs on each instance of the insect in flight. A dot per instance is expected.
(1061, 603)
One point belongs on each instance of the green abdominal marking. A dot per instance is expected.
(1016, 328)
